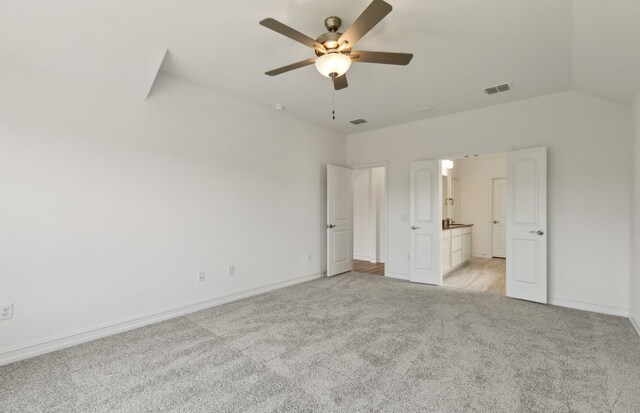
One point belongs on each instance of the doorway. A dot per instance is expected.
(474, 190)
(369, 220)
(357, 219)
(452, 229)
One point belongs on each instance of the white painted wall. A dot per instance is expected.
(634, 290)
(368, 214)
(111, 205)
(476, 176)
(588, 140)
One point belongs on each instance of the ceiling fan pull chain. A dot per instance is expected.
(333, 100)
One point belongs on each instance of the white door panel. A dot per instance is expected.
(499, 217)
(339, 220)
(425, 221)
(526, 235)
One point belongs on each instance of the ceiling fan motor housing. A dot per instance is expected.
(329, 41)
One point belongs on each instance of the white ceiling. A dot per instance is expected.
(460, 47)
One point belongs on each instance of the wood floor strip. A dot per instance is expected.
(368, 267)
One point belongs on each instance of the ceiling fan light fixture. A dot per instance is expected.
(333, 64)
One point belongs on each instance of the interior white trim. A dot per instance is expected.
(396, 275)
(581, 305)
(16, 353)
(635, 325)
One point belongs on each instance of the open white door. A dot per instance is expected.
(339, 221)
(499, 218)
(426, 222)
(527, 224)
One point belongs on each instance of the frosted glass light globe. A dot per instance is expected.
(333, 64)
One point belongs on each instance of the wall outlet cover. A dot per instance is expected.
(200, 275)
(6, 311)
(231, 270)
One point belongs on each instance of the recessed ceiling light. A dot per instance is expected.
(279, 107)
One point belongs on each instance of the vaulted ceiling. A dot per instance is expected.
(460, 47)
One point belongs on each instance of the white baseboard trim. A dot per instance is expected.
(36, 348)
(360, 257)
(635, 325)
(596, 308)
(398, 276)
(480, 254)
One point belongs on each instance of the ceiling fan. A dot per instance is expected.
(334, 49)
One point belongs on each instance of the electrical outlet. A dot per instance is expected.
(6, 311)
(200, 275)
(309, 257)
(230, 270)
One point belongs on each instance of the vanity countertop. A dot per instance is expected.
(454, 226)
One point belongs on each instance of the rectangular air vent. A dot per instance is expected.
(498, 89)
(358, 121)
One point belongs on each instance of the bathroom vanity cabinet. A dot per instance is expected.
(456, 246)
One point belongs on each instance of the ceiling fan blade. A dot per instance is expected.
(381, 57)
(285, 30)
(371, 16)
(340, 82)
(290, 67)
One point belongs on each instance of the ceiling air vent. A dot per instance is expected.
(358, 121)
(498, 89)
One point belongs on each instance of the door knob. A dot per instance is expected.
(537, 232)
(330, 226)
(496, 222)
(414, 228)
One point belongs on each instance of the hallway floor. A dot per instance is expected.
(368, 268)
(479, 274)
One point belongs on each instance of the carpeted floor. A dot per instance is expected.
(346, 344)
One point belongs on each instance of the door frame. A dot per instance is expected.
(385, 165)
(493, 178)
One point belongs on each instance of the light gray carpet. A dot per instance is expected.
(349, 343)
